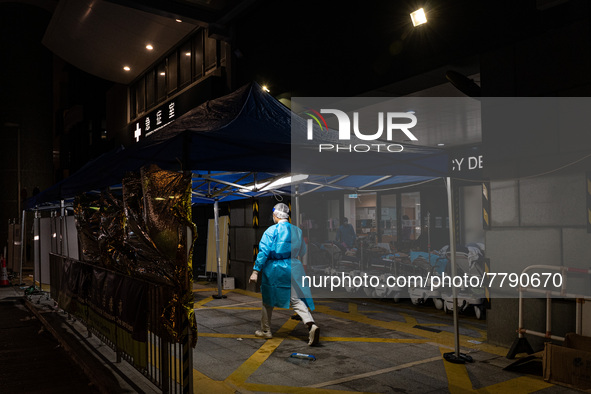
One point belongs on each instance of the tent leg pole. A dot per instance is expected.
(454, 357)
(20, 274)
(62, 210)
(36, 232)
(298, 222)
(297, 206)
(216, 216)
(429, 234)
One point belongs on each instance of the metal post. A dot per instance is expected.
(456, 356)
(520, 314)
(37, 244)
(18, 166)
(62, 213)
(452, 249)
(429, 234)
(66, 233)
(298, 222)
(548, 315)
(297, 206)
(216, 216)
(20, 277)
(579, 316)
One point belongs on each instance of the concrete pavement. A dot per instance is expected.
(367, 346)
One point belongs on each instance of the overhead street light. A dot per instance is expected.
(418, 17)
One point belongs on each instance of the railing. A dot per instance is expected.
(521, 344)
(166, 363)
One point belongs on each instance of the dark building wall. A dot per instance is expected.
(537, 219)
(25, 107)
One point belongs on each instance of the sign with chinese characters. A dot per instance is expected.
(151, 122)
(154, 121)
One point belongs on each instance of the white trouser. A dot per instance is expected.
(298, 306)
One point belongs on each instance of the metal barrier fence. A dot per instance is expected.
(167, 364)
(521, 345)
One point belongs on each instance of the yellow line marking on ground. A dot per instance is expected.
(201, 382)
(474, 328)
(237, 308)
(206, 289)
(458, 380)
(444, 338)
(240, 375)
(457, 374)
(523, 384)
(220, 335)
(366, 339)
(268, 388)
(248, 293)
(374, 373)
(204, 384)
(408, 319)
(234, 306)
(204, 301)
(322, 339)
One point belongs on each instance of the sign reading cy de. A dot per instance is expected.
(373, 135)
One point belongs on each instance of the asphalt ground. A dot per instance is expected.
(366, 345)
(31, 359)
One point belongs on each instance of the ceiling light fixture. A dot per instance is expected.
(149, 47)
(418, 17)
(178, 20)
(126, 68)
(265, 88)
(440, 144)
(162, 73)
(188, 54)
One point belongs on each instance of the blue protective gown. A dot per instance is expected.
(278, 263)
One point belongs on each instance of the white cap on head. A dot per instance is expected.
(281, 211)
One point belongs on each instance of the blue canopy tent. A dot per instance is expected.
(245, 131)
(240, 146)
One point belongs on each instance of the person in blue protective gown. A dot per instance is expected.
(281, 274)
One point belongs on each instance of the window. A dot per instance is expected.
(223, 49)
(172, 76)
(411, 216)
(365, 214)
(198, 54)
(186, 64)
(185, 57)
(133, 102)
(161, 81)
(210, 53)
(140, 91)
(333, 220)
(388, 219)
(150, 97)
(400, 220)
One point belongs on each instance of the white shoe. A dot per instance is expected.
(263, 334)
(314, 335)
